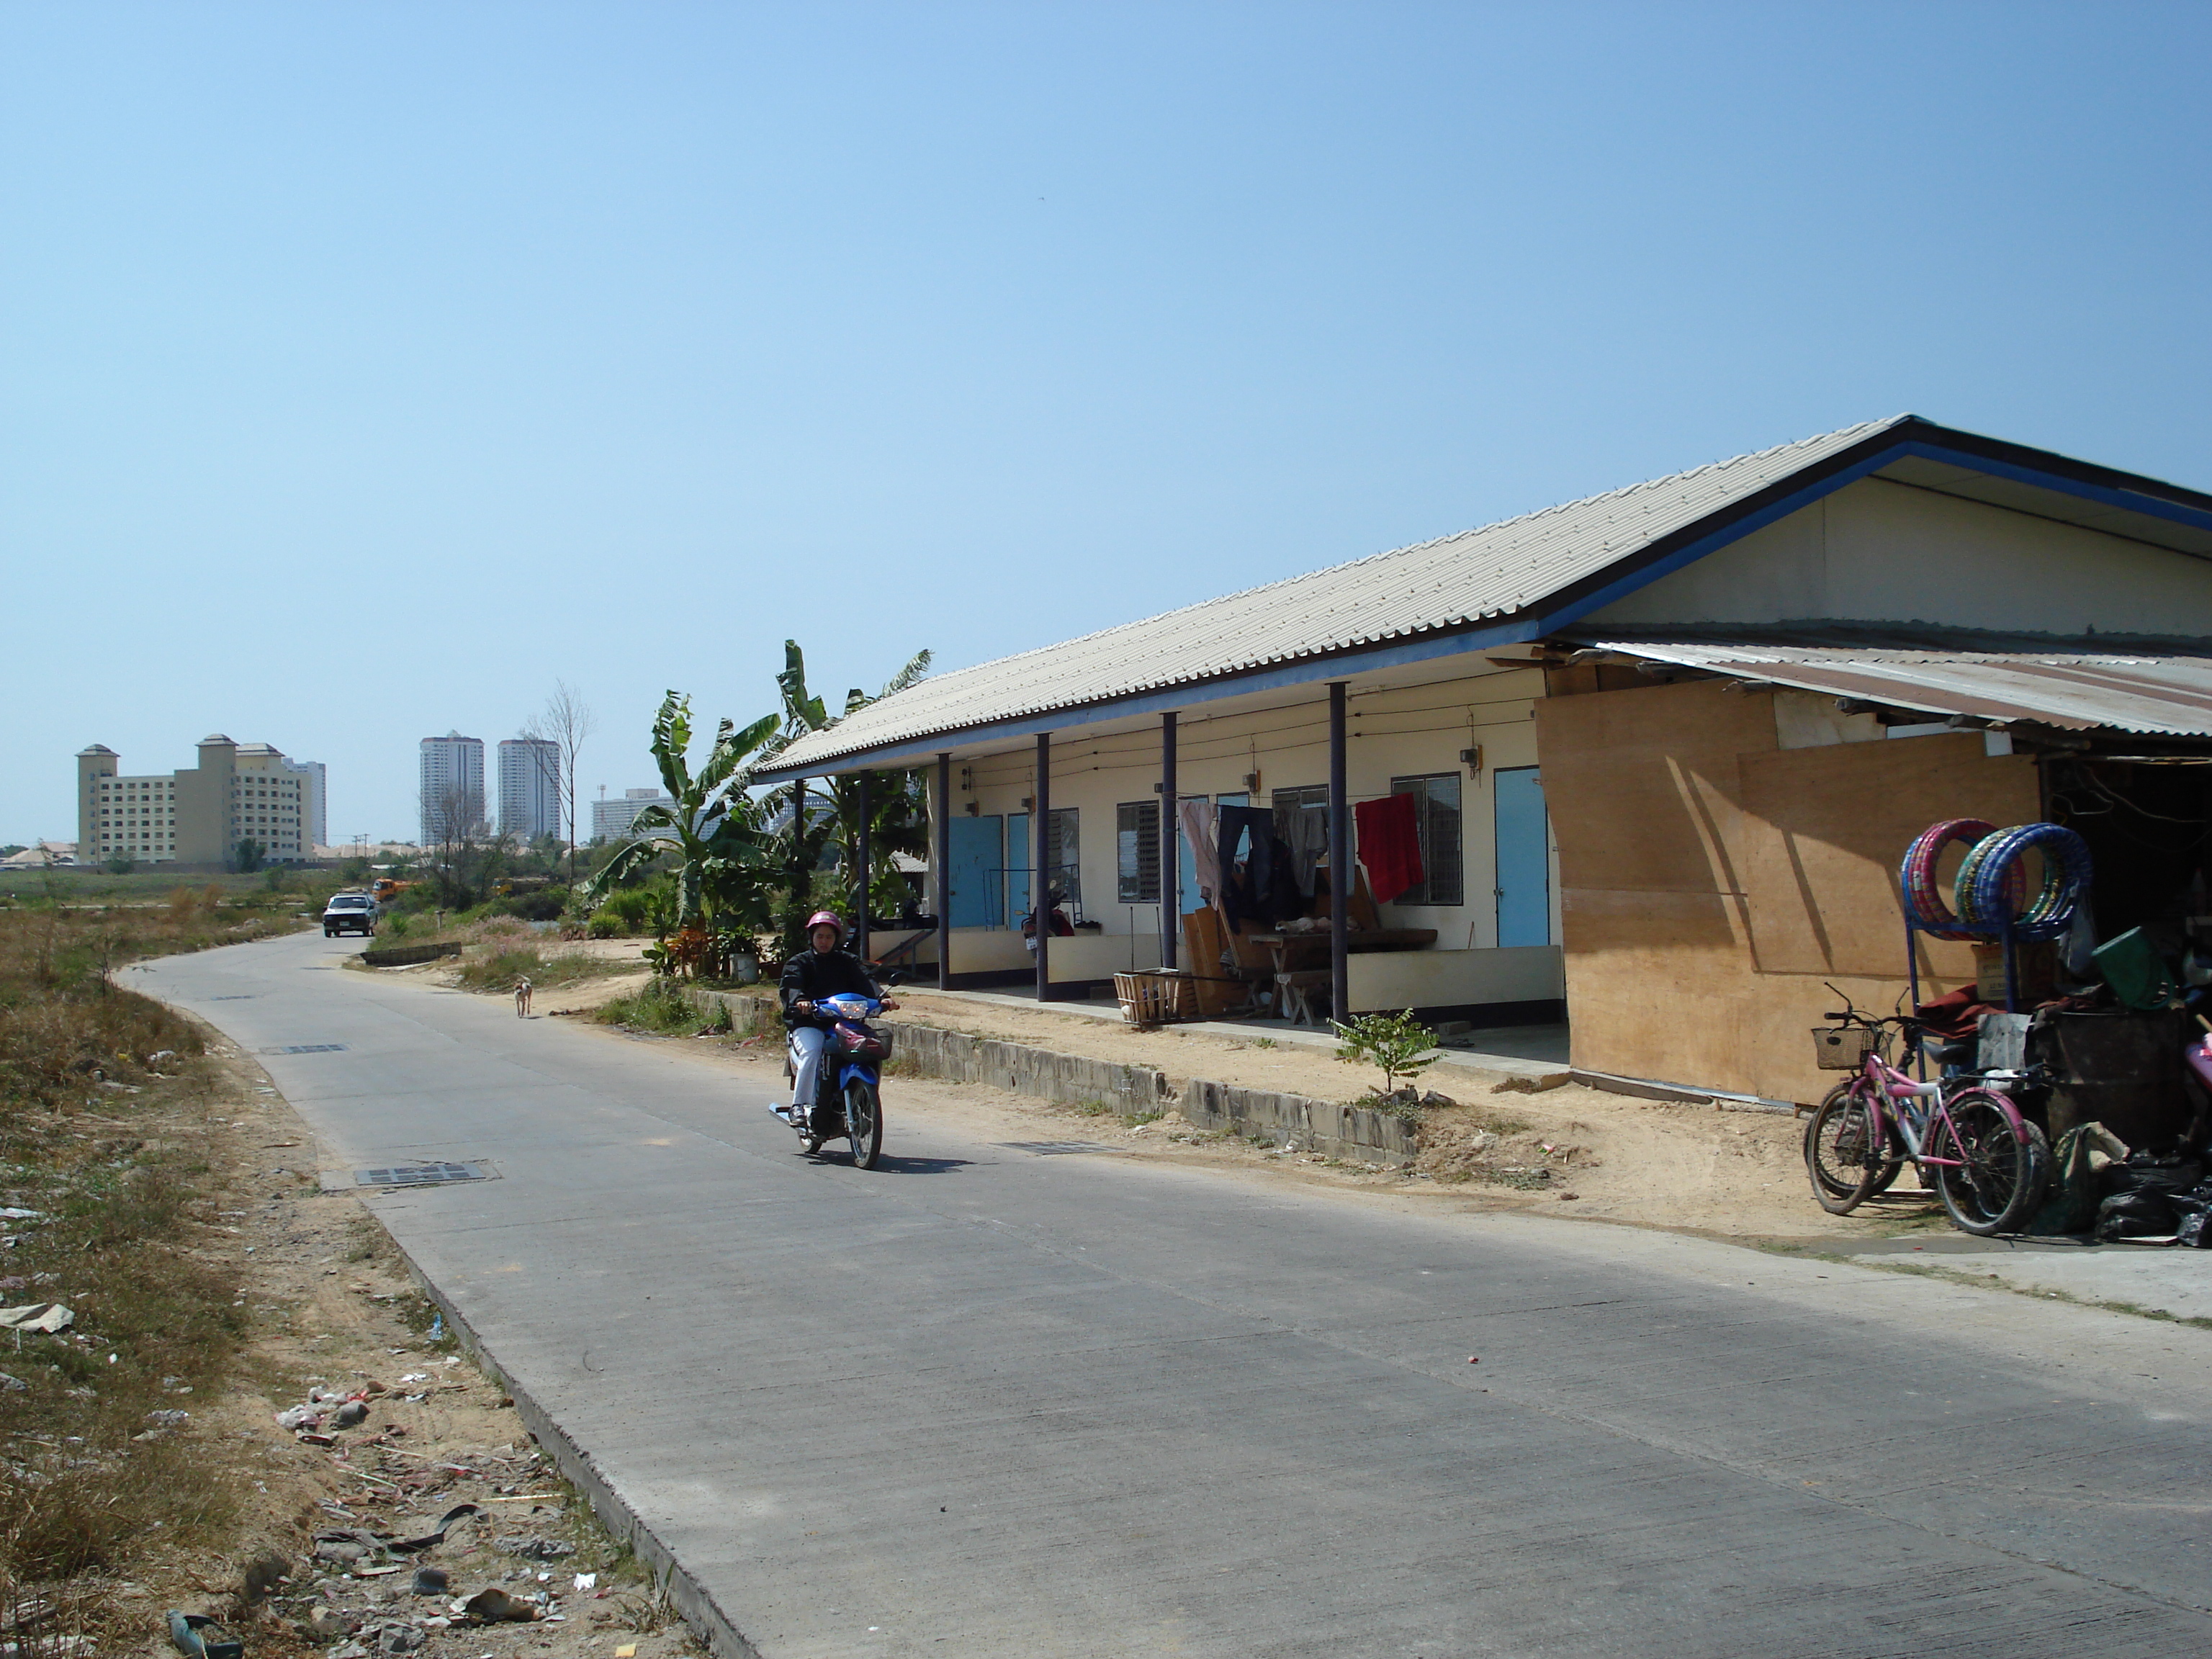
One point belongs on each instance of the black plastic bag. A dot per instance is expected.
(2134, 1215)
(2194, 1230)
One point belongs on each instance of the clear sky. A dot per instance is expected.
(368, 367)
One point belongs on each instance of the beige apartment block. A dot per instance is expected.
(198, 815)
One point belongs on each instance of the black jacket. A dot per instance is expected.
(813, 975)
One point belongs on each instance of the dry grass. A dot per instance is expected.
(87, 1476)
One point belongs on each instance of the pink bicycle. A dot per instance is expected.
(1986, 1162)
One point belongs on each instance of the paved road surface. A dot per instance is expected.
(987, 1402)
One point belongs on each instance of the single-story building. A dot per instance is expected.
(1662, 748)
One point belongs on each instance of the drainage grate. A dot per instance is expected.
(308, 1048)
(418, 1175)
(1055, 1148)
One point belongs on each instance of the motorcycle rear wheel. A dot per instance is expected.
(864, 1123)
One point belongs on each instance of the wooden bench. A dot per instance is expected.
(1295, 995)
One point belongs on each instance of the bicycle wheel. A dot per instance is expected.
(2003, 1162)
(1840, 1154)
(864, 1123)
(1820, 1162)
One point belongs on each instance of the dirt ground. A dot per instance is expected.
(333, 1308)
(1572, 1151)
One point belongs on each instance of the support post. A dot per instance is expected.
(860, 865)
(1170, 846)
(1041, 866)
(944, 838)
(1340, 875)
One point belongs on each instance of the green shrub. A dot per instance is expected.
(1397, 1043)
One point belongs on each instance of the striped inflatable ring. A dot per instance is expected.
(1923, 898)
(1994, 879)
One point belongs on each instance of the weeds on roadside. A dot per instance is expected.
(664, 1006)
(499, 972)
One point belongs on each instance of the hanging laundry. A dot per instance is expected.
(1196, 817)
(1389, 845)
(1237, 900)
(1305, 832)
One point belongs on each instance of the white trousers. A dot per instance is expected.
(807, 1043)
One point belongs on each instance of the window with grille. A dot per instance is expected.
(1436, 817)
(1137, 851)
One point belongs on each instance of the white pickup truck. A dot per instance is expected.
(349, 912)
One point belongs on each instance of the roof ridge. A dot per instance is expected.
(1863, 427)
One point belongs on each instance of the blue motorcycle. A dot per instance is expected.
(846, 1102)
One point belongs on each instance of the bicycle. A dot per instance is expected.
(1987, 1163)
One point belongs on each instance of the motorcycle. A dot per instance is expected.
(847, 1103)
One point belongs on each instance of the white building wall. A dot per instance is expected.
(1414, 730)
(316, 778)
(1882, 551)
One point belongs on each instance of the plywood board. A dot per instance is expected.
(1641, 784)
(1823, 832)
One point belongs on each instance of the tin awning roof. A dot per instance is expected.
(2165, 695)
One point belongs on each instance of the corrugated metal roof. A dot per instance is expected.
(1494, 571)
(2168, 696)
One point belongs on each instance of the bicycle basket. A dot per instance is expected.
(1843, 1047)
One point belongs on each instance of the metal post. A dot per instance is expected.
(1340, 863)
(944, 871)
(861, 866)
(1040, 863)
(1170, 846)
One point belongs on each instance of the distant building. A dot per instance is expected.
(45, 855)
(611, 819)
(529, 787)
(317, 808)
(452, 787)
(199, 815)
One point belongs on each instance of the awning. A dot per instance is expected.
(2153, 694)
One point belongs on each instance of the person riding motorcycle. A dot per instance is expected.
(824, 969)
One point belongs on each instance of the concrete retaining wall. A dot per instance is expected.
(1067, 1079)
(1320, 1126)
(1354, 1132)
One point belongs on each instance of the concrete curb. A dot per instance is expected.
(1321, 1126)
(698, 1607)
(1077, 1080)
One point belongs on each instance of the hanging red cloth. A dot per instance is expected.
(1389, 845)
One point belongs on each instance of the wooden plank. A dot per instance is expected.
(1824, 829)
(1643, 784)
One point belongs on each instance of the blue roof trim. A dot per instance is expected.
(1518, 631)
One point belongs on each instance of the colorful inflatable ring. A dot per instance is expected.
(1993, 878)
(1923, 899)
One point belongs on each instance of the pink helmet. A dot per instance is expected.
(825, 919)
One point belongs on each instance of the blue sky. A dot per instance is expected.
(367, 368)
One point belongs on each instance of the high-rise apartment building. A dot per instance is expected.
(318, 810)
(529, 787)
(452, 787)
(611, 819)
(200, 815)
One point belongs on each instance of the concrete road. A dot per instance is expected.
(987, 1402)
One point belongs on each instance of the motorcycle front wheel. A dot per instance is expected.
(864, 1123)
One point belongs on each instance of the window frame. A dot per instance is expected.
(1141, 885)
(1421, 786)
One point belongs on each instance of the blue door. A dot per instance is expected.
(1019, 854)
(1524, 862)
(974, 873)
(1192, 898)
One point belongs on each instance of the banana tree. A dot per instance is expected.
(897, 814)
(711, 825)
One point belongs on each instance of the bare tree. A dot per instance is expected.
(565, 722)
(456, 854)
